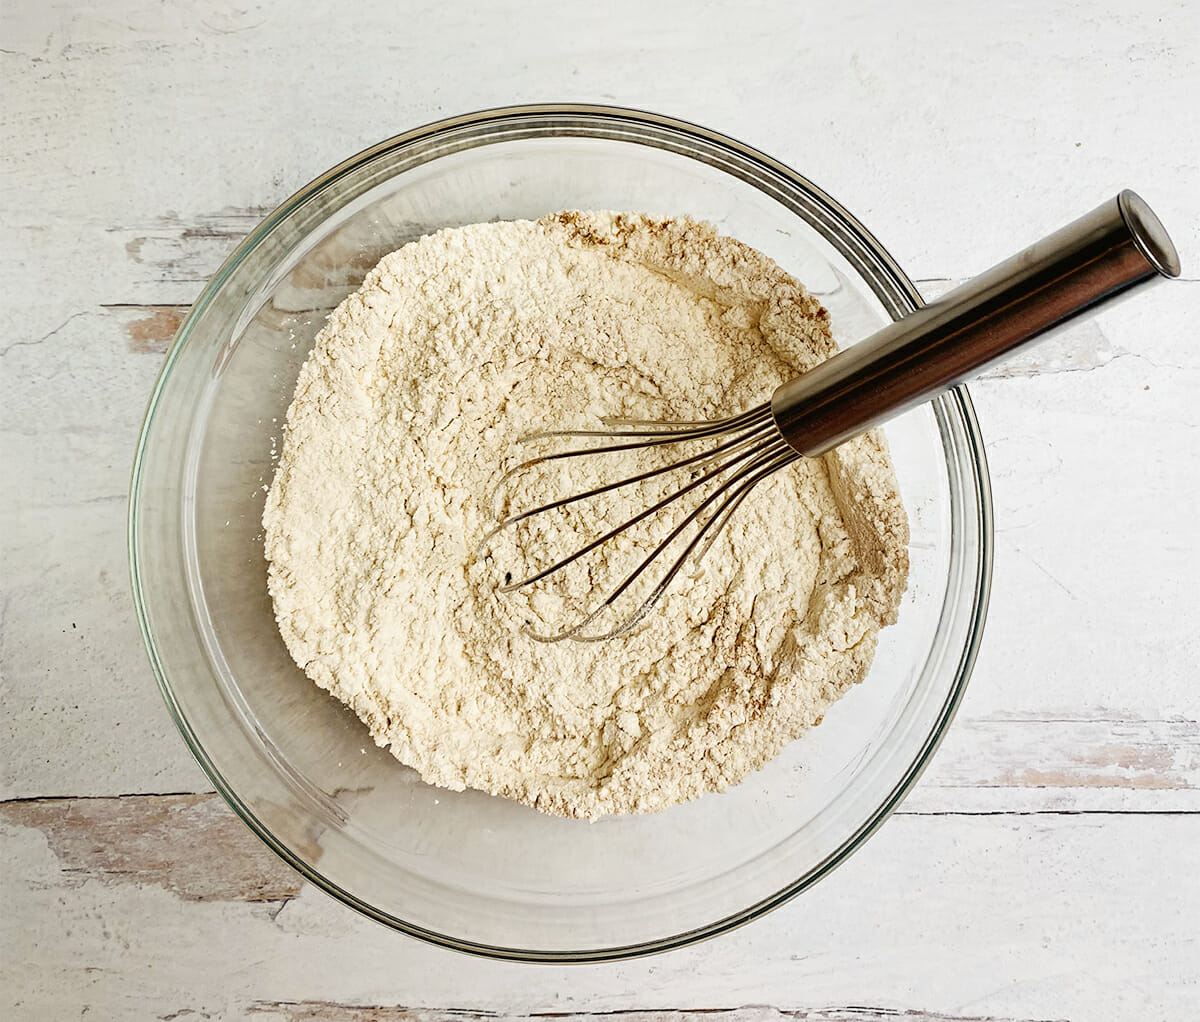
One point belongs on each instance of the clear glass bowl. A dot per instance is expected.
(467, 870)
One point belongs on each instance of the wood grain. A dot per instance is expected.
(172, 248)
(191, 845)
(311, 1011)
(1022, 907)
(149, 328)
(997, 765)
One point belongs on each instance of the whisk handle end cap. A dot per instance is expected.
(1148, 233)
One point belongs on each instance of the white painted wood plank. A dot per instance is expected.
(1096, 477)
(947, 126)
(995, 766)
(82, 711)
(307, 1011)
(1035, 917)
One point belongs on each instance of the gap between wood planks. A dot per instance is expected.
(329, 1011)
(124, 797)
(149, 329)
(153, 838)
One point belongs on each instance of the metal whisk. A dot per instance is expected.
(1119, 245)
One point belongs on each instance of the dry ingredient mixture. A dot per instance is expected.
(404, 419)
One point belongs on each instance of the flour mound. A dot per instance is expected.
(403, 420)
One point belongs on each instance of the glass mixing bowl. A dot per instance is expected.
(468, 870)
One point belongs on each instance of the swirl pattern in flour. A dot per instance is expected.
(402, 421)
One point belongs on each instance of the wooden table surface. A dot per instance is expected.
(1048, 864)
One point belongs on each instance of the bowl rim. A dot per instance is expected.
(881, 261)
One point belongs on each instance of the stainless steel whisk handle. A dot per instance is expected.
(1103, 254)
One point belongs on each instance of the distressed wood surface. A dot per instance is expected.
(1044, 867)
(946, 916)
(292, 1011)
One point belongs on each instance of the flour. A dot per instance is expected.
(404, 419)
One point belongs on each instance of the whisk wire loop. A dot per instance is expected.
(757, 432)
(749, 448)
(736, 489)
